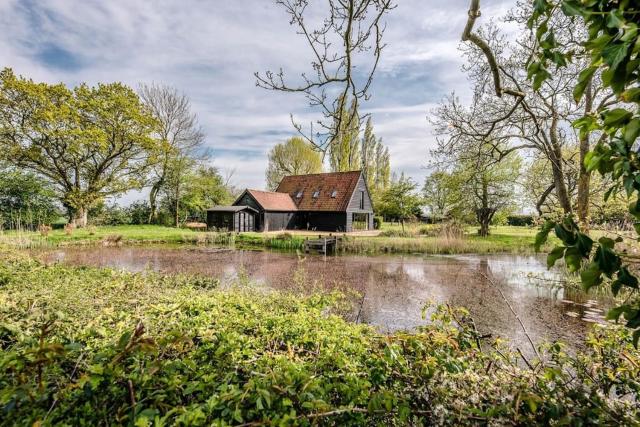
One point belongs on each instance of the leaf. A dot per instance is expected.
(631, 95)
(572, 8)
(631, 131)
(584, 245)
(615, 19)
(616, 312)
(540, 77)
(614, 54)
(555, 255)
(591, 276)
(543, 234)
(572, 258)
(627, 279)
(616, 117)
(583, 80)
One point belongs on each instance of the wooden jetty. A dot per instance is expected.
(322, 245)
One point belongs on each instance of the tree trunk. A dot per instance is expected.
(177, 206)
(484, 217)
(555, 156)
(80, 216)
(153, 196)
(484, 214)
(402, 224)
(584, 176)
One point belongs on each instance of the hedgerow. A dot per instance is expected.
(87, 346)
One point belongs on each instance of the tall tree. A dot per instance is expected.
(488, 186)
(294, 157)
(201, 187)
(400, 200)
(441, 193)
(375, 161)
(180, 138)
(90, 142)
(344, 153)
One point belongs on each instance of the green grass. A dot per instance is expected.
(501, 240)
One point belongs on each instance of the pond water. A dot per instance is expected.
(394, 287)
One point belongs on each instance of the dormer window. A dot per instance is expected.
(316, 194)
(334, 194)
(299, 194)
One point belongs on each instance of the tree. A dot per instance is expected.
(294, 157)
(441, 194)
(179, 135)
(540, 108)
(348, 39)
(26, 200)
(613, 46)
(90, 142)
(375, 161)
(201, 187)
(488, 186)
(345, 152)
(400, 200)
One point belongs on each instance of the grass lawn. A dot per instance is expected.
(502, 239)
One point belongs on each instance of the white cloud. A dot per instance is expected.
(210, 49)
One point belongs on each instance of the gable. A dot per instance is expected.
(266, 200)
(329, 192)
(361, 199)
(246, 199)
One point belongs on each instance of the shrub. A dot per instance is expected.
(44, 230)
(448, 230)
(109, 347)
(69, 228)
(377, 222)
(396, 233)
(521, 220)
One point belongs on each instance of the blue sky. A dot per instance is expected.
(210, 50)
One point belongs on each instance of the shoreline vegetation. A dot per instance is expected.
(84, 345)
(502, 240)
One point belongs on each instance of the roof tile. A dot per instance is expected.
(343, 183)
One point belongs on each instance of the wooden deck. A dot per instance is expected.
(322, 245)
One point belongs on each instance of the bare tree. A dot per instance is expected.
(181, 141)
(536, 116)
(348, 38)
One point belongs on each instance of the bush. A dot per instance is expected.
(448, 230)
(521, 220)
(377, 222)
(109, 347)
(396, 233)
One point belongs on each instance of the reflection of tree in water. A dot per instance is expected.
(395, 288)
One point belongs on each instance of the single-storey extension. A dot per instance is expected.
(336, 201)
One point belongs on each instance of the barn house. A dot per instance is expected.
(337, 201)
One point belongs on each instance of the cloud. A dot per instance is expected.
(210, 49)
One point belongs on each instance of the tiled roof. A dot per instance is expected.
(302, 189)
(271, 201)
(230, 208)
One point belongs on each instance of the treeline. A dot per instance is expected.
(66, 151)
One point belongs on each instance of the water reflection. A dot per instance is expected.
(394, 288)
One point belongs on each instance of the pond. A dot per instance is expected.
(394, 288)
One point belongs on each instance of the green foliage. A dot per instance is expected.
(26, 200)
(96, 346)
(613, 44)
(294, 157)
(520, 220)
(400, 200)
(90, 142)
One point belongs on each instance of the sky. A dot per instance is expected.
(209, 50)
